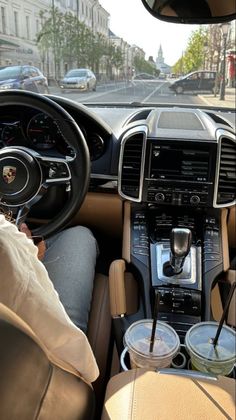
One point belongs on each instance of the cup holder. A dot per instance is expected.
(180, 361)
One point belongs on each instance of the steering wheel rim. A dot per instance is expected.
(79, 165)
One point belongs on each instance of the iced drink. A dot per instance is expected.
(137, 339)
(206, 357)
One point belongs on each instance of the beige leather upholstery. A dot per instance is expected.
(232, 227)
(231, 320)
(31, 387)
(126, 232)
(101, 212)
(225, 239)
(117, 288)
(99, 331)
(145, 395)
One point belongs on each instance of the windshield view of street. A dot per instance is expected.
(134, 91)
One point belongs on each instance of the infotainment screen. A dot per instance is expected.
(179, 163)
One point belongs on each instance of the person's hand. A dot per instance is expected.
(41, 245)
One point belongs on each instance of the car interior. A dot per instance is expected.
(153, 183)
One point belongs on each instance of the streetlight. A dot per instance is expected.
(224, 30)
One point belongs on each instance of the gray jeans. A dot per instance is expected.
(70, 260)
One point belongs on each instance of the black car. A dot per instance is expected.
(196, 81)
(23, 77)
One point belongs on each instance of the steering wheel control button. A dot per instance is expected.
(20, 176)
(55, 171)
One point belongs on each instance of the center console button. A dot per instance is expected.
(195, 199)
(160, 197)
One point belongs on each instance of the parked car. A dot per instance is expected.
(162, 76)
(81, 79)
(195, 81)
(144, 76)
(23, 77)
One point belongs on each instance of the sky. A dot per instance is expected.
(131, 21)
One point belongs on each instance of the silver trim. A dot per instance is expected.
(189, 273)
(188, 373)
(130, 133)
(221, 134)
(101, 176)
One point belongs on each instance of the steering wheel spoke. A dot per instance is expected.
(55, 170)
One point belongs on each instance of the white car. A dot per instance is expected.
(81, 79)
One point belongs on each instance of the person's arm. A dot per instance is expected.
(40, 245)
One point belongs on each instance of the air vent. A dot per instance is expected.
(226, 193)
(131, 163)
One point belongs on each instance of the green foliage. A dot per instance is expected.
(193, 58)
(143, 66)
(72, 42)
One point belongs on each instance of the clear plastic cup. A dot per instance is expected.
(218, 360)
(137, 340)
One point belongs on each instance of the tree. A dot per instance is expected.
(143, 66)
(194, 56)
(72, 42)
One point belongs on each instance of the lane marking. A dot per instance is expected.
(152, 93)
(82, 98)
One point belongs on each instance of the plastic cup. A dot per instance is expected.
(218, 360)
(137, 340)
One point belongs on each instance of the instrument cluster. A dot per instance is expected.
(40, 132)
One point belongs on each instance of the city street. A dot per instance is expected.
(138, 91)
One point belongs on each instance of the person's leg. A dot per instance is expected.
(70, 260)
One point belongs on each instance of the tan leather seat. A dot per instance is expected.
(31, 387)
(140, 394)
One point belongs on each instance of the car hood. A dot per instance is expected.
(6, 81)
(74, 79)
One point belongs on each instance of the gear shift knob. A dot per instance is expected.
(180, 244)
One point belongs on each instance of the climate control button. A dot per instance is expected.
(160, 197)
(195, 199)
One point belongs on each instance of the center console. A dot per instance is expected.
(176, 170)
(185, 296)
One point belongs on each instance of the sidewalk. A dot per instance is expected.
(229, 102)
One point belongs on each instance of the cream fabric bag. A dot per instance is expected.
(26, 289)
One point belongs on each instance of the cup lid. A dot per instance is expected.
(199, 340)
(166, 341)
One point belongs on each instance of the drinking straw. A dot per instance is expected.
(230, 295)
(155, 315)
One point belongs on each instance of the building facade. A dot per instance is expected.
(20, 23)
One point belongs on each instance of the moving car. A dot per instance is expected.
(144, 76)
(161, 171)
(79, 79)
(23, 77)
(197, 81)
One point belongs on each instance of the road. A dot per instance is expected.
(146, 92)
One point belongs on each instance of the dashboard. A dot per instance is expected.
(38, 131)
(173, 155)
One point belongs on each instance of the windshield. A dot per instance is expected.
(135, 58)
(76, 73)
(10, 73)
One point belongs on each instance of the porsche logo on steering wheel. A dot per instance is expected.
(9, 174)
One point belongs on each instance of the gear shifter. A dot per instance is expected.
(180, 244)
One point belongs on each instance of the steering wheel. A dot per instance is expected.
(26, 175)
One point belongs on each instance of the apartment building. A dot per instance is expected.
(20, 22)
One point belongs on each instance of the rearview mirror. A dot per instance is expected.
(192, 11)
